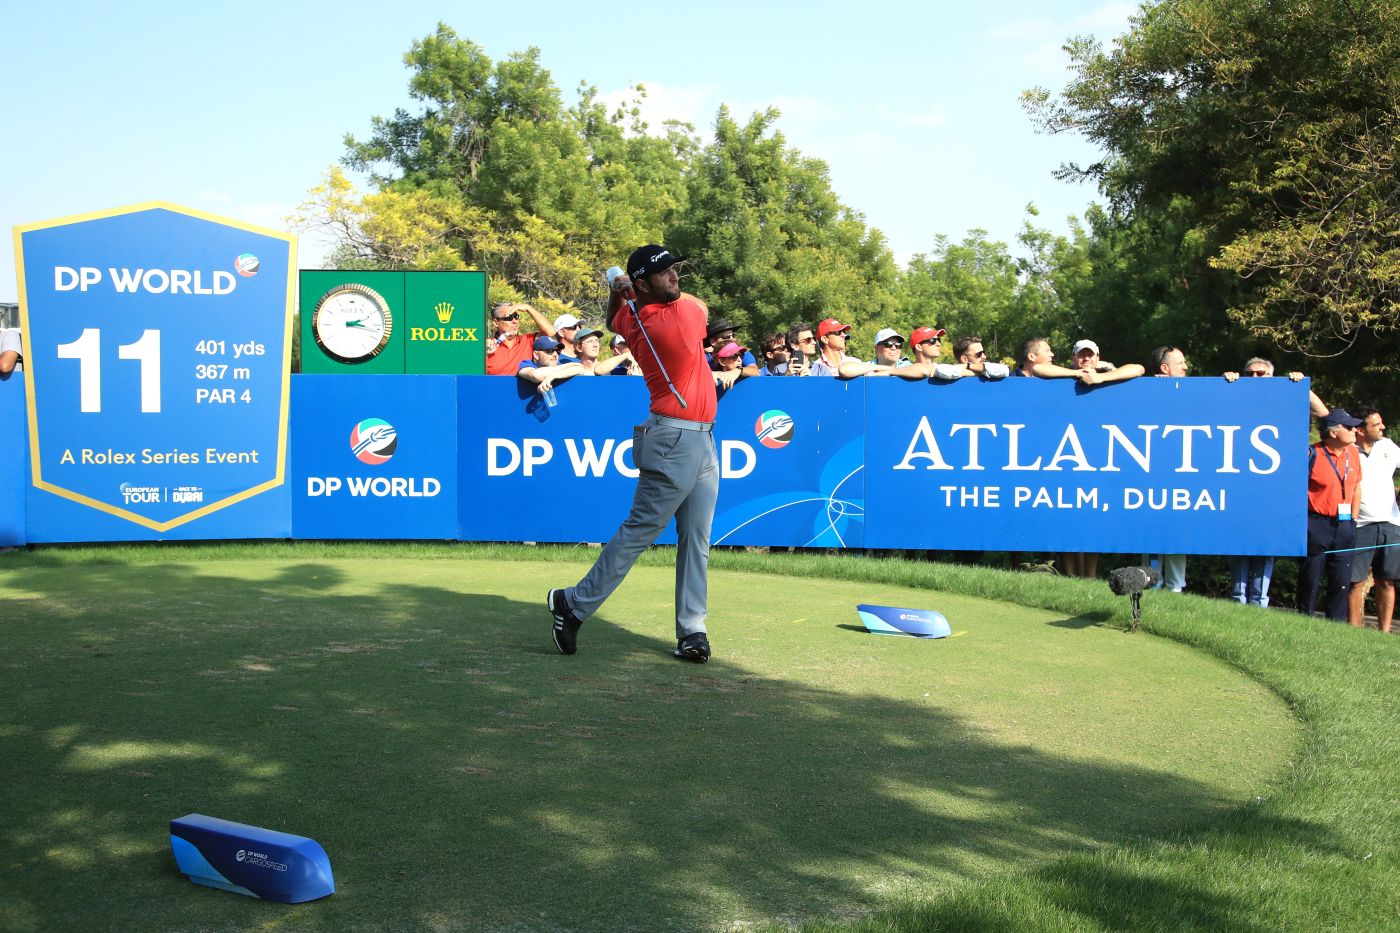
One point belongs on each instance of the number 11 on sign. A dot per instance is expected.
(87, 350)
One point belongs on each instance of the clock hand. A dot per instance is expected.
(358, 322)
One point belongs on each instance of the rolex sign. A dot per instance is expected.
(431, 323)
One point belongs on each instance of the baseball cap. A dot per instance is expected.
(1339, 416)
(925, 333)
(719, 326)
(649, 260)
(585, 331)
(617, 338)
(566, 320)
(882, 335)
(728, 350)
(1085, 345)
(546, 343)
(831, 326)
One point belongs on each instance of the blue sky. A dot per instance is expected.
(238, 109)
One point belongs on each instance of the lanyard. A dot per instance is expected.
(1346, 469)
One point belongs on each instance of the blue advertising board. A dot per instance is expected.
(1155, 465)
(15, 464)
(1166, 465)
(790, 455)
(1181, 466)
(157, 368)
(374, 457)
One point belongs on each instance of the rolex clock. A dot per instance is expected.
(352, 323)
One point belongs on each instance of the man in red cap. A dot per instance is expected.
(831, 338)
(926, 343)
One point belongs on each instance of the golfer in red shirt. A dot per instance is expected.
(673, 449)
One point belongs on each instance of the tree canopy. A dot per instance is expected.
(1256, 141)
(1249, 169)
(492, 171)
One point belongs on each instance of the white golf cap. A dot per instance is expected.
(1085, 345)
(565, 320)
(882, 335)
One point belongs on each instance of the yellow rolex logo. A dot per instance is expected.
(444, 311)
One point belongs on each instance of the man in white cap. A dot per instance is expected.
(888, 344)
(889, 349)
(1086, 360)
(621, 362)
(565, 330)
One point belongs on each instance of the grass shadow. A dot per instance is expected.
(461, 773)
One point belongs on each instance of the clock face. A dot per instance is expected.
(352, 323)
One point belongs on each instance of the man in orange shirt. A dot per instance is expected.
(1334, 480)
(507, 347)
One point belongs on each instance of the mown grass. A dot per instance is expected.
(802, 774)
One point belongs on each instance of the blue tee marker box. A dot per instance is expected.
(250, 860)
(893, 620)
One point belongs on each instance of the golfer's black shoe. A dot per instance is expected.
(694, 647)
(566, 624)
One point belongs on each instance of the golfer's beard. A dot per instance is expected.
(666, 296)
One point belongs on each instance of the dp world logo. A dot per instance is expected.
(246, 265)
(241, 855)
(374, 441)
(774, 429)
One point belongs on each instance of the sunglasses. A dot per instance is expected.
(808, 340)
(892, 344)
(1255, 372)
(980, 354)
(508, 317)
(924, 343)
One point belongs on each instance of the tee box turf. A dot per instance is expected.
(250, 860)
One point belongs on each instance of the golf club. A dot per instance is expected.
(612, 274)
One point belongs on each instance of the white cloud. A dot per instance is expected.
(694, 104)
(1038, 42)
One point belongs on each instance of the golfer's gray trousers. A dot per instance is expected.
(678, 475)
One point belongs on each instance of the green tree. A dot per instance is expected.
(969, 287)
(1250, 153)
(978, 287)
(775, 244)
(493, 172)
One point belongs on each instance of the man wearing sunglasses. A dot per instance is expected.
(507, 348)
(972, 356)
(1260, 368)
(927, 343)
(887, 361)
(832, 336)
(1252, 575)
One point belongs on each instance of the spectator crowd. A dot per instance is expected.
(1353, 517)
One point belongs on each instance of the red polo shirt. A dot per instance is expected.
(677, 330)
(506, 360)
(1333, 479)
